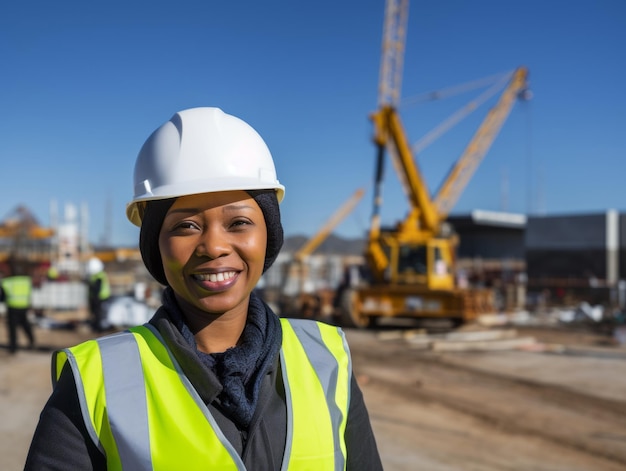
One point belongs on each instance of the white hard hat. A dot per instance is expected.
(94, 265)
(201, 150)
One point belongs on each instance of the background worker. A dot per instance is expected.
(99, 292)
(215, 380)
(16, 292)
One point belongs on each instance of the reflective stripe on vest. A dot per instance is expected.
(17, 290)
(322, 351)
(127, 383)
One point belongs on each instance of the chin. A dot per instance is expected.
(221, 306)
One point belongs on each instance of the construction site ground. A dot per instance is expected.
(541, 398)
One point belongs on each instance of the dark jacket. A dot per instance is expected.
(61, 440)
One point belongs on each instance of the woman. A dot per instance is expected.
(215, 380)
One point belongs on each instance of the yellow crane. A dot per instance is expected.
(412, 266)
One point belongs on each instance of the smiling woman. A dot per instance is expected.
(215, 380)
(213, 251)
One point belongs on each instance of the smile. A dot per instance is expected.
(215, 277)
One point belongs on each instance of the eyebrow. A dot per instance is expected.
(228, 208)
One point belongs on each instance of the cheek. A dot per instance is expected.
(256, 250)
(164, 249)
(172, 255)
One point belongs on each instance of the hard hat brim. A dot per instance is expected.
(134, 214)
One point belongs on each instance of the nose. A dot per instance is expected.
(213, 244)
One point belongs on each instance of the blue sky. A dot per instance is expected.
(85, 83)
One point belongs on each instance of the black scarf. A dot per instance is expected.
(240, 369)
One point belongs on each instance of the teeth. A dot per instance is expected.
(213, 277)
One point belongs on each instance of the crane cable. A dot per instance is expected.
(529, 161)
(462, 113)
(452, 90)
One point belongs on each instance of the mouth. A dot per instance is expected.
(215, 277)
(216, 282)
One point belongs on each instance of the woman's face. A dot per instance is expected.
(213, 250)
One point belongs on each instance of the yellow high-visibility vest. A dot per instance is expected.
(17, 291)
(105, 286)
(144, 414)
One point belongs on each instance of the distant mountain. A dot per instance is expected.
(333, 245)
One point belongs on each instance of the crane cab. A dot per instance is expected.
(428, 264)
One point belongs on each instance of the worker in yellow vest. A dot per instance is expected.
(16, 293)
(99, 292)
(215, 380)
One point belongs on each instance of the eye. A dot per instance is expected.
(184, 227)
(240, 223)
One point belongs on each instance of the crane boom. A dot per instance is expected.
(464, 168)
(394, 36)
(389, 84)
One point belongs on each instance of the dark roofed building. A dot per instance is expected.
(490, 235)
(579, 248)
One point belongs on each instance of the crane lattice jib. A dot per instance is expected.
(394, 37)
(464, 168)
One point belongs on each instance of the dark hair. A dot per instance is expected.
(154, 214)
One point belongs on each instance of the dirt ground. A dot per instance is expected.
(555, 404)
(558, 404)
